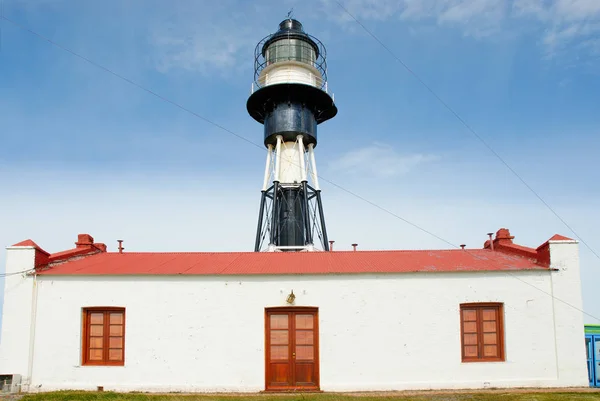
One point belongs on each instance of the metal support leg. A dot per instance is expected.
(322, 218)
(274, 213)
(309, 240)
(260, 220)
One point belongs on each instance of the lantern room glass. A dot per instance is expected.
(290, 50)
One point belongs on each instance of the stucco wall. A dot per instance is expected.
(15, 346)
(376, 332)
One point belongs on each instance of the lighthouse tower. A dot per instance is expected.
(290, 98)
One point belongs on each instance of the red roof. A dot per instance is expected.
(558, 237)
(252, 263)
(29, 242)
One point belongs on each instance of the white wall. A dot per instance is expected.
(566, 289)
(17, 311)
(377, 332)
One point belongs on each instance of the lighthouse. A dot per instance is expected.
(290, 97)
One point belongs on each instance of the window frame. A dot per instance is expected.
(85, 346)
(499, 330)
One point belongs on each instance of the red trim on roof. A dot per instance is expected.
(558, 237)
(29, 242)
(84, 246)
(89, 258)
(278, 263)
(503, 242)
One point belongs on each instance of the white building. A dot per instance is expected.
(502, 316)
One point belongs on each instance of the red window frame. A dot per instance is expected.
(482, 332)
(106, 337)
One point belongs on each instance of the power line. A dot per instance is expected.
(467, 126)
(262, 148)
(17, 273)
(127, 80)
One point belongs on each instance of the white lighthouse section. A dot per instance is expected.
(290, 169)
(285, 72)
(290, 61)
(290, 164)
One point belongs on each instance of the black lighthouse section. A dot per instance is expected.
(291, 214)
(289, 110)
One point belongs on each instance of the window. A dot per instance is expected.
(482, 332)
(290, 49)
(103, 336)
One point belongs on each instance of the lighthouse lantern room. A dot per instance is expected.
(290, 98)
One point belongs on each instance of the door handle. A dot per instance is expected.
(293, 354)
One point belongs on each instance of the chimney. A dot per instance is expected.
(331, 245)
(503, 237)
(84, 241)
(120, 241)
(462, 246)
(491, 241)
(354, 247)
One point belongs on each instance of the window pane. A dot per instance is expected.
(95, 354)
(489, 314)
(470, 327)
(469, 315)
(305, 352)
(279, 352)
(96, 330)
(115, 354)
(116, 330)
(471, 351)
(96, 318)
(96, 342)
(490, 350)
(279, 321)
(470, 339)
(489, 327)
(490, 339)
(116, 318)
(290, 49)
(304, 321)
(304, 337)
(115, 342)
(279, 337)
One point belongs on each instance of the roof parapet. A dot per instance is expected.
(503, 242)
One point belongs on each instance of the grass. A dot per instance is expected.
(415, 396)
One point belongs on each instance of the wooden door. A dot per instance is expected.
(292, 349)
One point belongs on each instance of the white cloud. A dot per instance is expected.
(366, 9)
(567, 22)
(204, 37)
(379, 160)
(560, 24)
(198, 51)
(476, 17)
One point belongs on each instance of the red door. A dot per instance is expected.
(292, 349)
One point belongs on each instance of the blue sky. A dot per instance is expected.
(83, 151)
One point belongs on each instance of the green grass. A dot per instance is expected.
(481, 396)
